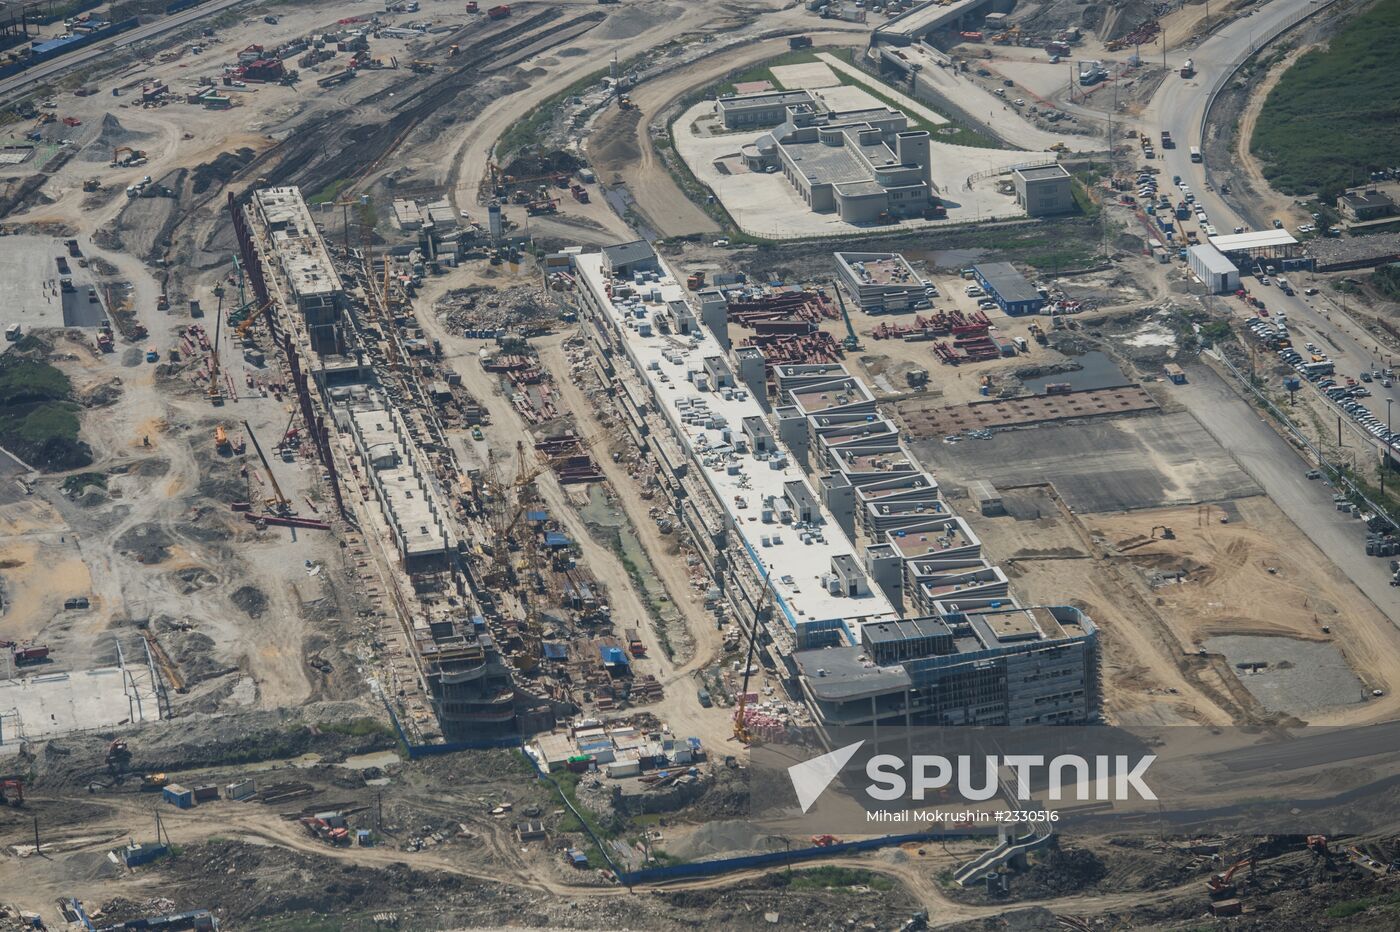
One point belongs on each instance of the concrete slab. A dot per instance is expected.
(906, 103)
(849, 97)
(767, 205)
(1104, 465)
(52, 704)
(805, 75)
(753, 87)
(29, 277)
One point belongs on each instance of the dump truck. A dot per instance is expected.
(498, 12)
(800, 42)
(580, 193)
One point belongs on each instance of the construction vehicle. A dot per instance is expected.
(498, 12)
(454, 50)
(851, 342)
(153, 782)
(1167, 533)
(1188, 69)
(280, 504)
(127, 157)
(12, 792)
(337, 836)
(221, 441)
(825, 841)
(472, 7)
(1221, 886)
(91, 185)
(1317, 844)
(118, 756)
(421, 67)
(580, 193)
(251, 319)
(799, 42)
(26, 653)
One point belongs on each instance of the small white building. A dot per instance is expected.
(1211, 267)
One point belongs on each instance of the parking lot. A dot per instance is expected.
(30, 291)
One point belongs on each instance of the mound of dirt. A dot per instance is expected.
(192, 652)
(110, 135)
(222, 170)
(252, 600)
(145, 543)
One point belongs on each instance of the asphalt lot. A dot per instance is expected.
(1280, 470)
(1106, 465)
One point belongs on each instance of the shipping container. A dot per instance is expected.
(241, 790)
(206, 792)
(178, 796)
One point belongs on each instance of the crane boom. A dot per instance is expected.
(852, 342)
(741, 725)
(282, 502)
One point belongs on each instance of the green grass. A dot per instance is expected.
(1349, 908)
(529, 130)
(74, 485)
(329, 193)
(826, 878)
(363, 727)
(1387, 280)
(1335, 115)
(764, 70)
(37, 421)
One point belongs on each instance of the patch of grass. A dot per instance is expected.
(329, 193)
(1387, 280)
(1335, 115)
(764, 70)
(1349, 908)
(528, 131)
(75, 484)
(38, 422)
(362, 727)
(826, 878)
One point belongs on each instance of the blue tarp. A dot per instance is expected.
(536, 516)
(613, 656)
(555, 539)
(555, 651)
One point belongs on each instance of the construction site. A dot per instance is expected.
(434, 449)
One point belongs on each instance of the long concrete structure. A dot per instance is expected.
(919, 628)
(305, 263)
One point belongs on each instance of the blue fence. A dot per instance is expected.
(179, 5)
(671, 871)
(71, 45)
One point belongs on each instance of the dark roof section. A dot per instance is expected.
(1009, 283)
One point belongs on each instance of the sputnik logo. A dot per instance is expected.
(811, 778)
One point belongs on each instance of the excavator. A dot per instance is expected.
(1221, 886)
(251, 319)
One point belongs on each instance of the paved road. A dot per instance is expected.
(1179, 107)
(1279, 471)
(22, 82)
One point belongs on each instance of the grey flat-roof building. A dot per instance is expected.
(881, 282)
(1004, 666)
(767, 108)
(864, 165)
(1044, 190)
(1008, 288)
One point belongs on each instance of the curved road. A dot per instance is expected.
(1179, 107)
(26, 79)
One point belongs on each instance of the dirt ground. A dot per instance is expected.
(1153, 625)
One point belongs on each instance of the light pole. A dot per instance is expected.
(1385, 461)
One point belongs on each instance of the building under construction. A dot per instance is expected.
(774, 488)
(305, 264)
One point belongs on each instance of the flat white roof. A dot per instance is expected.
(741, 482)
(1257, 239)
(1212, 259)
